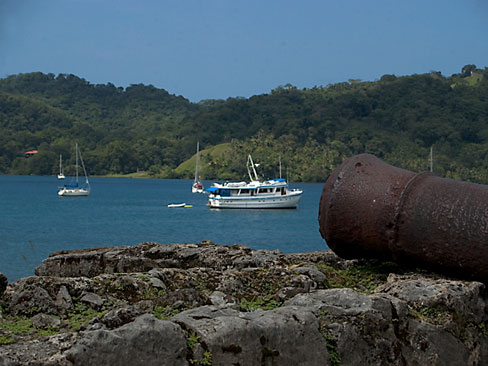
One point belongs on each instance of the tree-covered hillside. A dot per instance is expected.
(311, 130)
(119, 130)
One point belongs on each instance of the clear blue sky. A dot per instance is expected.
(215, 49)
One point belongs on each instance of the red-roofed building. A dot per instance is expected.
(28, 154)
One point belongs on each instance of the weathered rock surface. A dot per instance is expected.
(204, 304)
(146, 341)
(147, 256)
(283, 336)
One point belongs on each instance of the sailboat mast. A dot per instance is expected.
(196, 166)
(84, 169)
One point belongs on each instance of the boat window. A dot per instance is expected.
(244, 191)
(225, 192)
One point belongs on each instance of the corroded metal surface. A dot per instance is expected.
(370, 209)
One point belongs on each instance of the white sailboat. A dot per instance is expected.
(197, 186)
(74, 189)
(61, 172)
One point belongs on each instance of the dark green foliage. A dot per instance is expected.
(142, 128)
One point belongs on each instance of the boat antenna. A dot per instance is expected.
(280, 166)
(250, 164)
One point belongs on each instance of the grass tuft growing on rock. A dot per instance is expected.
(164, 312)
(80, 315)
(266, 303)
(483, 328)
(16, 327)
(433, 314)
(4, 340)
(206, 359)
(363, 277)
(192, 339)
(334, 358)
(20, 326)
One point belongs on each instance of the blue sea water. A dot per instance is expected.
(35, 221)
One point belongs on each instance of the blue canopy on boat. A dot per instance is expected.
(279, 179)
(212, 189)
(73, 185)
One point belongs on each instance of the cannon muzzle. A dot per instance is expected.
(370, 209)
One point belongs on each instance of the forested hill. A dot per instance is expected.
(145, 128)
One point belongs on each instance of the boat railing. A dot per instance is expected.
(236, 184)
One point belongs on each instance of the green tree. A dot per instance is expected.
(467, 70)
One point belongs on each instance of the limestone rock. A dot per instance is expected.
(145, 342)
(48, 352)
(379, 329)
(63, 298)
(32, 300)
(145, 257)
(93, 300)
(45, 321)
(460, 297)
(309, 308)
(118, 317)
(367, 337)
(285, 336)
(312, 272)
(220, 299)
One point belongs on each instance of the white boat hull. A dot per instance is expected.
(176, 205)
(73, 192)
(287, 201)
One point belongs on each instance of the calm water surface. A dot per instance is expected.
(35, 221)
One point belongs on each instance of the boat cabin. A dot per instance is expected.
(226, 191)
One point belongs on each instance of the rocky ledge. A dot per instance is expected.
(207, 304)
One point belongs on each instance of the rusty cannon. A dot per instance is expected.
(370, 209)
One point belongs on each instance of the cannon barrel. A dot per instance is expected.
(370, 209)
